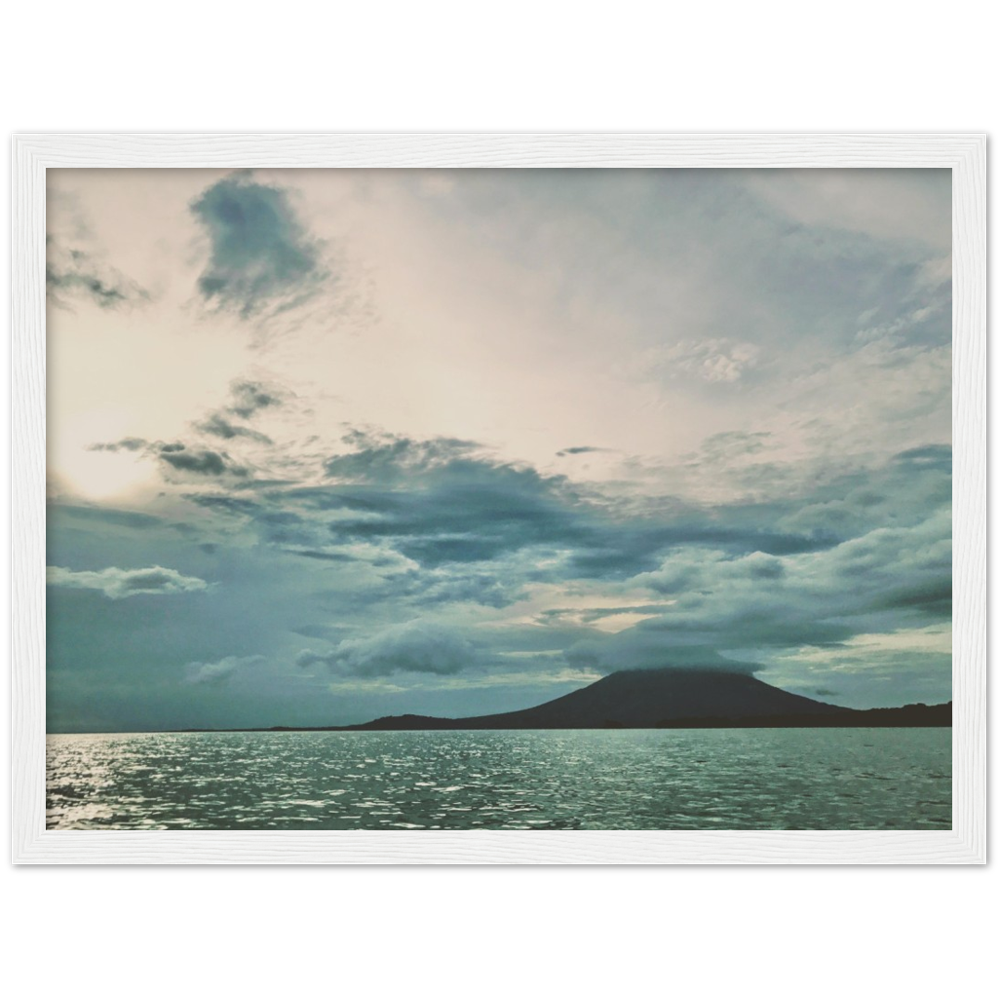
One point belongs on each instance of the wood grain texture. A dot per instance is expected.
(965, 154)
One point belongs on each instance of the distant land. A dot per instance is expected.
(664, 699)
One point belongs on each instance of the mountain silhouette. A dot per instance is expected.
(640, 699)
(670, 698)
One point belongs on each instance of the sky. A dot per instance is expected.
(330, 445)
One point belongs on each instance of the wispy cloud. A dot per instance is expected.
(121, 583)
(247, 398)
(219, 672)
(74, 273)
(179, 457)
(579, 450)
(216, 425)
(719, 360)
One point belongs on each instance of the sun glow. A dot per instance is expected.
(93, 474)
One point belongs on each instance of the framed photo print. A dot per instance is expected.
(500, 499)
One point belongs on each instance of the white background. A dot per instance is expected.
(487, 939)
(726, 61)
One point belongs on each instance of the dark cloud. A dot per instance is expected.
(248, 398)
(440, 522)
(442, 505)
(619, 551)
(125, 444)
(445, 501)
(414, 647)
(470, 513)
(286, 528)
(578, 451)
(638, 650)
(322, 556)
(120, 583)
(706, 626)
(261, 255)
(764, 567)
(200, 461)
(931, 597)
(216, 425)
(881, 581)
(176, 455)
(389, 457)
(77, 274)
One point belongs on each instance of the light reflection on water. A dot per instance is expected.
(719, 779)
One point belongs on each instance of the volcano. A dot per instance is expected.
(639, 699)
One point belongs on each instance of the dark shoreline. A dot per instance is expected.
(907, 717)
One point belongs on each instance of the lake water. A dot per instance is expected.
(715, 779)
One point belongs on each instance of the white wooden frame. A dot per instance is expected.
(965, 843)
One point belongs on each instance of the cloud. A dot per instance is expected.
(178, 456)
(240, 506)
(246, 399)
(216, 425)
(75, 273)
(436, 503)
(261, 256)
(441, 527)
(125, 444)
(713, 360)
(884, 580)
(637, 650)
(249, 398)
(885, 204)
(381, 457)
(495, 590)
(730, 446)
(583, 450)
(322, 555)
(200, 461)
(444, 503)
(121, 583)
(414, 647)
(218, 673)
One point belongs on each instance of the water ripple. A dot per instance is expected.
(597, 780)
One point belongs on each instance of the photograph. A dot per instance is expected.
(542, 499)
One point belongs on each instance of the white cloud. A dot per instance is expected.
(714, 360)
(415, 646)
(220, 671)
(119, 583)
